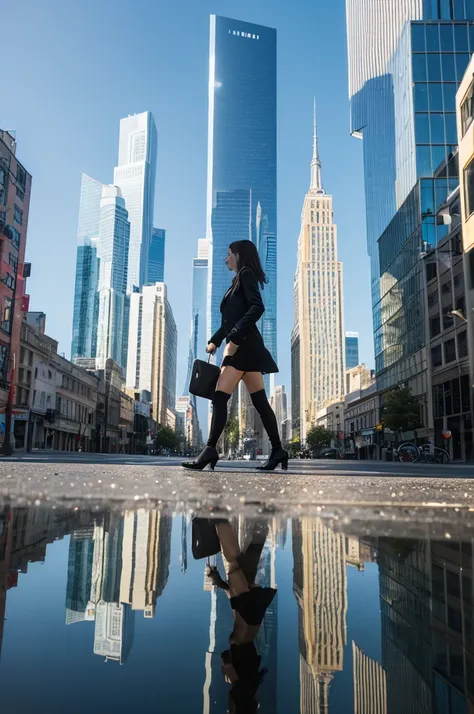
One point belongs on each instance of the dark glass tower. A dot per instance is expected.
(241, 200)
(156, 257)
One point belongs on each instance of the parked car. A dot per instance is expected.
(329, 452)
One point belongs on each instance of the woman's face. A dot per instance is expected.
(231, 261)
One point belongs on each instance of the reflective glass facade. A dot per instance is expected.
(241, 201)
(156, 257)
(113, 248)
(84, 321)
(400, 313)
(352, 350)
(403, 86)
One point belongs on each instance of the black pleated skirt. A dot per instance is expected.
(252, 356)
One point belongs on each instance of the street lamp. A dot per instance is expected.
(459, 314)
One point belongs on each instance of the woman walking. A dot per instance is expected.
(245, 357)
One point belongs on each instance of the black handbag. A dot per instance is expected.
(204, 538)
(204, 379)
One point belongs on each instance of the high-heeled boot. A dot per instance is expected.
(277, 457)
(208, 456)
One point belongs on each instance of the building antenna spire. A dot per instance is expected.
(316, 182)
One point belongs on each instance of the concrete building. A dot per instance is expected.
(318, 335)
(190, 432)
(450, 367)
(84, 319)
(465, 114)
(280, 406)
(362, 420)
(360, 377)
(55, 401)
(146, 554)
(15, 191)
(110, 384)
(152, 354)
(135, 175)
(320, 588)
(127, 414)
(112, 251)
(370, 684)
(76, 406)
(331, 417)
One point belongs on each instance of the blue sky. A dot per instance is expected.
(72, 70)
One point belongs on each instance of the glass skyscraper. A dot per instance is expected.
(402, 88)
(352, 350)
(241, 197)
(113, 248)
(135, 175)
(156, 257)
(84, 321)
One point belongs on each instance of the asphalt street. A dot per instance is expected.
(298, 466)
(382, 497)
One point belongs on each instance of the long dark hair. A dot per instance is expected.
(248, 257)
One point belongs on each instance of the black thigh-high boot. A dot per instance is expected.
(267, 415)
(209, 454)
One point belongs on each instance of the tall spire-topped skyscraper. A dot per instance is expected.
(317, 342)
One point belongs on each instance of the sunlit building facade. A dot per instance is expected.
(320, 588)
(135, 175)
(152, 350)
(318, 333)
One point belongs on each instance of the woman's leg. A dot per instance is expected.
(254, 383)
(228, 380)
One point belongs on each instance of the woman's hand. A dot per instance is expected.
(230, 349)
(211, 348)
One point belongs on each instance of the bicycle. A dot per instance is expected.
(411, 453)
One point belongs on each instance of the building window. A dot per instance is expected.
(18, 215)
(446, 287)
(433, 299)
(448, 319)
(449, 351)
(21, 176)
(469, 187)
(435, 326)
(431, 271)
(16, 236)
(13, 262)
(9, 281)
(7, 305)
(462, 344)
(436, 356)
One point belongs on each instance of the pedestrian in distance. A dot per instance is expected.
(245, 357)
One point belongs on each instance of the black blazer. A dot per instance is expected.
(241, 308)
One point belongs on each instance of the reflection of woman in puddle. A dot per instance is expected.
(249, 602)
